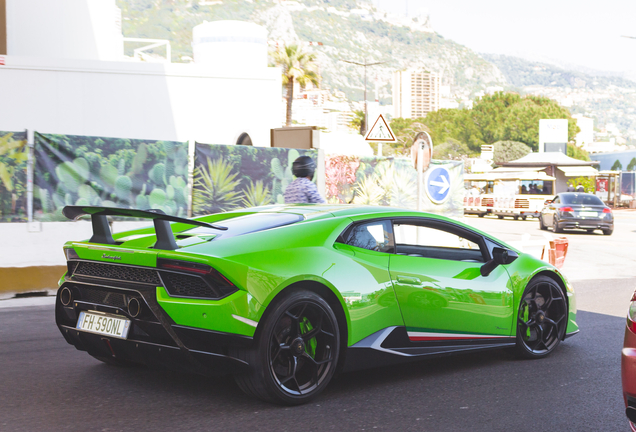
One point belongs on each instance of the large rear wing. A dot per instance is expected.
(101, 229)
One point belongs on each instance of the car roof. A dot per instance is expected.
(315, 211)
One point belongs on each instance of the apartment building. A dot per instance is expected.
(415, 93)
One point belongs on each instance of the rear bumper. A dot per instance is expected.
(586, 224)
(154, 339)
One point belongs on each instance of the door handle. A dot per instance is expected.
(409, 280)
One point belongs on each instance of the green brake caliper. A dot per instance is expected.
(526, 316)
(306, 327)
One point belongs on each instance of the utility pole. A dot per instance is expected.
(366, 113)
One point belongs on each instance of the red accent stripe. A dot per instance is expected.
(438, 338)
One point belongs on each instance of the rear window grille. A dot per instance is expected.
(181, 285)
(102, 297)
(116, 272)
(522, 203)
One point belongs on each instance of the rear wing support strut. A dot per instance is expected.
(101, 229)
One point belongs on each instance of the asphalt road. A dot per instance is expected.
(46, 385)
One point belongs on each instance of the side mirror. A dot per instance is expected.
(500, 256)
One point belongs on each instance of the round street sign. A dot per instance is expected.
(438, 184)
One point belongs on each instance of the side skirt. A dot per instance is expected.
(393, 345)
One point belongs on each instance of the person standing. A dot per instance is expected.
(302, 190)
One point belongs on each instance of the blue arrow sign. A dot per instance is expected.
(438, 184)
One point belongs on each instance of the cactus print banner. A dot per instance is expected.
(229, 177)
(111, 172)
(389, 182)
(14, 154)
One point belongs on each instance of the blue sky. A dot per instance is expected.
(567, 32)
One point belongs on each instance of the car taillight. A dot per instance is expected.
(606, 210)
(215, 278)
(70, 254)
(566, 209)
(631, 314)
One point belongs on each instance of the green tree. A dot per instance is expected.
(588, 183)
(498, 117)
(451, 150)
(617, 166)
(298, 66)
(405, 130)
(578, 153)
(632, 164)
(506, 151)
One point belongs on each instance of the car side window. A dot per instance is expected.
(434, 242)
(375, 236)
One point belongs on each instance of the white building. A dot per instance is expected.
(64, 72)
(415, 93)
(586, 135)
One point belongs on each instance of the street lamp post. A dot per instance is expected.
(366, 114)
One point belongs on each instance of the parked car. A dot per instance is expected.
(576, 210)
(283, 296)
(628, 365)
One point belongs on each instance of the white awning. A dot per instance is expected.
(517, 169)
(580, 171)
(516, 175)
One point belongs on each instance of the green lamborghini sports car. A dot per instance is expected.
(284, 296)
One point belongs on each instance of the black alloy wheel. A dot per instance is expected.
(542, 226)
(542, 318)
(608, 231)
(296, 352)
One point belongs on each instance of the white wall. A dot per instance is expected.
(42, 244)
(76, 29)
(139, 100)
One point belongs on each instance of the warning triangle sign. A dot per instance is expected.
(380, 131)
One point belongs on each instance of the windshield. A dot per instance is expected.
(580, 198)
(249, 224)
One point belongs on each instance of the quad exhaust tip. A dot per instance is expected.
(134, 307)
(66, 296)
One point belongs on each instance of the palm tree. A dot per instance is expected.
(298, 65)
(357, 122)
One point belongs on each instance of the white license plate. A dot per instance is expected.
(588, 214)
(100, 323)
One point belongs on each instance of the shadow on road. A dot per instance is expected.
(54, 387)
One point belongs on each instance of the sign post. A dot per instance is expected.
(422, 153)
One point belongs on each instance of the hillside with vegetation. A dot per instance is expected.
(355, 30)
(344, 35)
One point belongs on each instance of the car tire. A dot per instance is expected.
(295, 352)
(500, 216)
(542, 226)
(589, 231)
(542, 318)
(608, 231)
(556, 228)
(481, 215)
